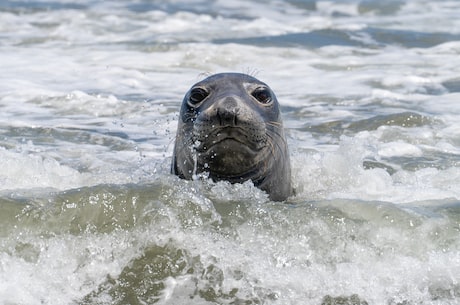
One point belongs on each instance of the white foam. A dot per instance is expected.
(341, 174)
(64, 269)
(399, 148)
(23, 170)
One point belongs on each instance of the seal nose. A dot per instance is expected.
(227, 112)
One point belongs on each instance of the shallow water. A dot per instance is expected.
(89, 98)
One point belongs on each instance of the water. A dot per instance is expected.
(89, 97)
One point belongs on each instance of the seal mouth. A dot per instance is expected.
(229, 138)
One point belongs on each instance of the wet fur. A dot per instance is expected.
(250, 135)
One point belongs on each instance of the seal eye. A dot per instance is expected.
(263, 95)
(197, 95)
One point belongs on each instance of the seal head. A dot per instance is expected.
(230, 127)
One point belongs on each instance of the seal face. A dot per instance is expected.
(230, 127)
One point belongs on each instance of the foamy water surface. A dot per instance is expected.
(89, 97)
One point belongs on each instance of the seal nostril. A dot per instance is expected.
(227, 112)
(227, 117)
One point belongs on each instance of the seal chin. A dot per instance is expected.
(229, 157)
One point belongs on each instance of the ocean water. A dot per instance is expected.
(89, 98)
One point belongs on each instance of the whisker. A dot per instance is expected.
(277, 141)
(278, 133)
(274, 123)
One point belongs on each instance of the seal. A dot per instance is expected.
(230, 128)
